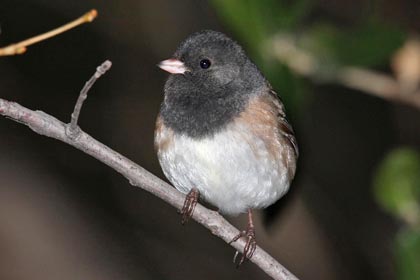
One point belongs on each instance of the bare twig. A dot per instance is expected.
(73, 128)
(49, 126)
(20, 48)
(374, 83)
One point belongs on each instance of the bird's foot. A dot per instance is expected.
(189, 205)
(251, 242)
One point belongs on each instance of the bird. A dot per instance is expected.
(221, 133)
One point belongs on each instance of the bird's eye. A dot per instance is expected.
(205, 63)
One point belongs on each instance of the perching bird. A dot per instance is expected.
(222, 132)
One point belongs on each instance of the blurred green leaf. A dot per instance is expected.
(369, 44)
(397, 184)
(243, 20)
(254, 21)
(408, 255)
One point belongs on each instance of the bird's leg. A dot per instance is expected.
(251, 243)
(189, 205)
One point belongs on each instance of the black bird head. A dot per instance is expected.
(211, 80)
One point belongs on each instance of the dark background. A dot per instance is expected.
(63, 215)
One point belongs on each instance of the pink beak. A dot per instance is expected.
(173, 66)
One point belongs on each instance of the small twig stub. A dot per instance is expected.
(72, 128)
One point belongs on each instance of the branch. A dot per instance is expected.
(374, 83)
(73, 128)
(20, 48)
(49, 126)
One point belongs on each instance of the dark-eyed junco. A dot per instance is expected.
(222, 132)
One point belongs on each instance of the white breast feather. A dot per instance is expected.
(226, 169)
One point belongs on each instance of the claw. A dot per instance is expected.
(251, 243)
(189, 205)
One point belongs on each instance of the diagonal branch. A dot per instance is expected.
(49, 126)
(20, 48)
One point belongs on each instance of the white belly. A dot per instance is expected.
(233, 170)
